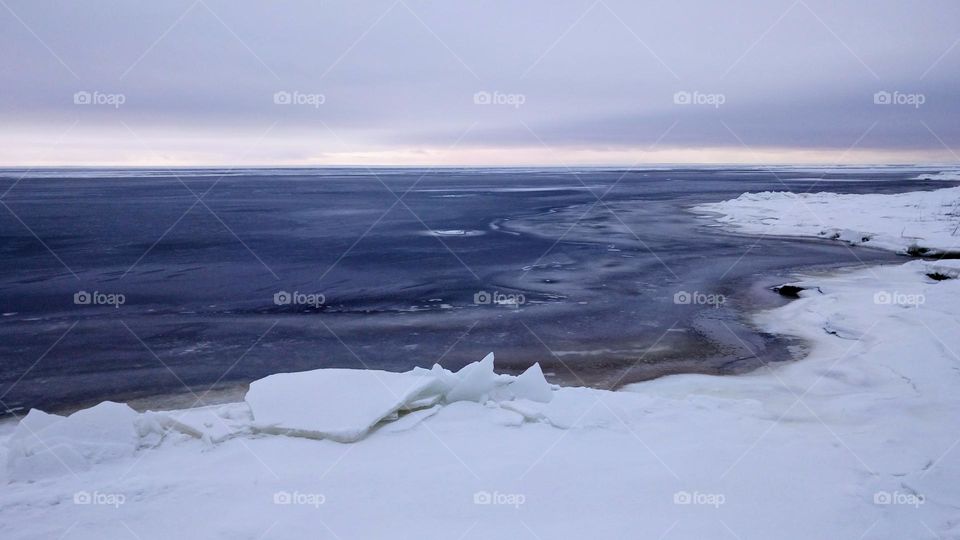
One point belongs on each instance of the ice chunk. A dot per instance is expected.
(531, 411)
(442, 381)
(532, 385)
(423, 403)
(580, 408)
(410, 420)
(212, 424)
(49, 445)
(476, 382)
(35, 421)
(337, 404)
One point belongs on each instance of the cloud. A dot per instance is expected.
(399, 78)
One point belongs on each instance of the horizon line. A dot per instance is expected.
(645, 166)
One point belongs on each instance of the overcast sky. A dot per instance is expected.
(239, 82)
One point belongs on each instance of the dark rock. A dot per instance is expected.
(790, 291)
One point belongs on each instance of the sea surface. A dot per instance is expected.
(149, 283)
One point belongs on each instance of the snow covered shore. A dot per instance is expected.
(919, 223)
(949, 176)
(857, 440)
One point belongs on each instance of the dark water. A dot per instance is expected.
(198, 277)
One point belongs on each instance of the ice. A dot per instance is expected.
(422, 403)
(587, 408)
(532, 385)
(213, 424)
(531, 411)
(455, 232)
(343, 404)
(48, 445)
(410, 420)
(337, 404)
(474, 382)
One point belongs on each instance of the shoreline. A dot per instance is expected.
(855, 440)
(662, 363)
(608, 296)
(778, 348)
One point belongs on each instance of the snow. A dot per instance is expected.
(858, 439)
(45, 445)
(949, 176)
(923, 222)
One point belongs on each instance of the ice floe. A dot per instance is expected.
(338, 404)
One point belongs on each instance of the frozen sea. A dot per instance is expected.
(136, 283)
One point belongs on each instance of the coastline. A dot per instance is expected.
(856, 440)
(599, 289)
(749, 294)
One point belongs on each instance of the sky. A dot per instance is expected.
(482, 82)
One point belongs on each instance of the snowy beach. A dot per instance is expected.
(403, 269)
(916, 223)
(856, 439)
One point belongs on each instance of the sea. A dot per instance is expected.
(176, 287)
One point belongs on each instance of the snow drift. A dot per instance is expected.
(917, 223)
